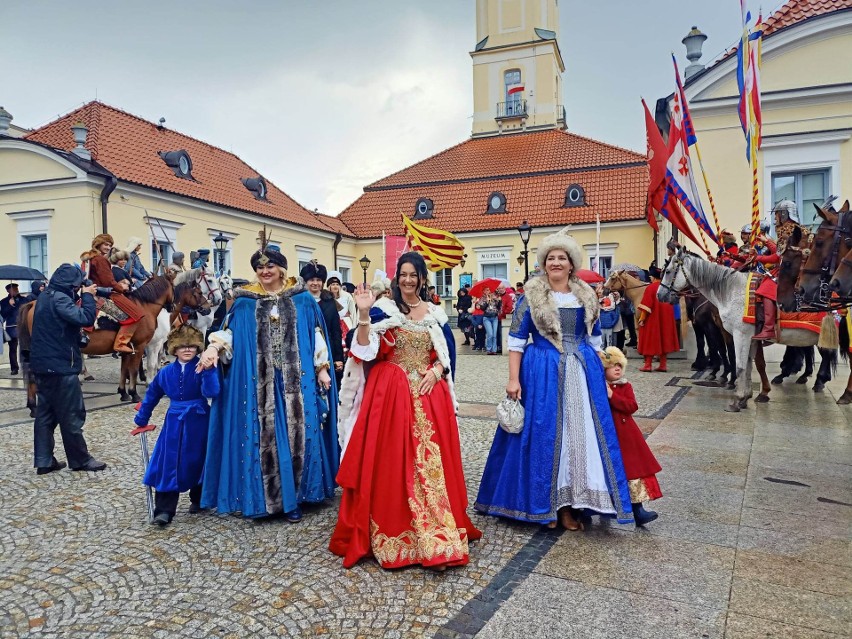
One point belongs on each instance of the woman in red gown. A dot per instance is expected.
(404, 495)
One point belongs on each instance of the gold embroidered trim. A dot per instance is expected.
(433, 534)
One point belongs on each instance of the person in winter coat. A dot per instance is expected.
(56, 363)
(36, 288)
(137, 271)
(315, 275)
(119, 261)
(9, 306)
(177, 464)
(640, 465)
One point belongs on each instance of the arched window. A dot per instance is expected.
(514, 91)
(574, 196)
(423, 209)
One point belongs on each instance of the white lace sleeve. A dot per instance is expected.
(224, 341)
(320, 349)
(366, 353)
(517, 344)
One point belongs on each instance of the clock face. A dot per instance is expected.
(183, 165)
(495, 202)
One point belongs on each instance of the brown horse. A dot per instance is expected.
(156, 294)
(832, 242)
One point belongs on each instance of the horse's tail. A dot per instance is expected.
(24, 336)
(845, 337)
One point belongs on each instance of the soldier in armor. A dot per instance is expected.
(786, 221)
(728, 249)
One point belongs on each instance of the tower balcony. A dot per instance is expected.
(512, 109)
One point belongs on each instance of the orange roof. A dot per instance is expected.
(532, 170)
(796, 11)
(513, 154)
(128, 146)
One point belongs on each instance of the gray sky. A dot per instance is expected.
(324, 97)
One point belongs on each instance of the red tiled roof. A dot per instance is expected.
(513, 154)
(532, 170)
(128, 146)
(796, 11)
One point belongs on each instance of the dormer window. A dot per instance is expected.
(179, 162)
(423, 209)
(574, 196)
(257, 185)
(496, 203)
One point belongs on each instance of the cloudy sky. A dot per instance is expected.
(325, 96)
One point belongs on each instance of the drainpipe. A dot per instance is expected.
(337, 240)
(109, 186)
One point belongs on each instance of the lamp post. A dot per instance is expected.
(365, 264)
(525, 230)
(221, 244)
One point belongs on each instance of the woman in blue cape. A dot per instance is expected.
(566, 458)
(273, 430)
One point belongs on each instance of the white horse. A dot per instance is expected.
(211, 288)
(726, 288)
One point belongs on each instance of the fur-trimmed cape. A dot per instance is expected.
(543, 309)
(385, 316)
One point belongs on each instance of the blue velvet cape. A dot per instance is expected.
(178, 460)
(520, 477)
(236, 474)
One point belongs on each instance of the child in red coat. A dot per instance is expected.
(640, 465)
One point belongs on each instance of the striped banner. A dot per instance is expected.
(440, 249)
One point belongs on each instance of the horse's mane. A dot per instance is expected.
(188, 276)
(709, 273)
(151, 291)
(181, 288)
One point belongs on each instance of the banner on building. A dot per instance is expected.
(440, 249)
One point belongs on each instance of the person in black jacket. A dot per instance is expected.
(56, 362)
(465, 301)
(9, 306)
(315, 275)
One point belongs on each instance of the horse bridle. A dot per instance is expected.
(210, 294)
(829, 262)
(678, 260)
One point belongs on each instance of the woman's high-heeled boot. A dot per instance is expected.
(662, 367)
(649, 360)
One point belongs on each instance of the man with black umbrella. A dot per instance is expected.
(9, 306)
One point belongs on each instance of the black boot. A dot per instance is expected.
(642, 516)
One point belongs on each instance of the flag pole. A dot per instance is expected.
(598, 242)
(709, 194)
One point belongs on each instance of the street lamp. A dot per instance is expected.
(365, 264)
(221, 244)
(525, 230)
(522, 258)
(463, 260)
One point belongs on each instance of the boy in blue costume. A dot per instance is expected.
(177, 464)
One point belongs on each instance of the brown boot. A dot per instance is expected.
(122, 339)
(770, 312)
(662, 367)
(649, 360)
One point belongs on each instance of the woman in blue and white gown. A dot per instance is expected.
(567, 456)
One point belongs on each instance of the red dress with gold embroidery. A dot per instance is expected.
(404, 495)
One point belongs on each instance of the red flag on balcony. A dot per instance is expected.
(517, 89)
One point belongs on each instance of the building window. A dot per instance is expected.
(36, 252)
(602, 265)
(346, 273)
(161, 256)
(496, 203)
(444, 282)
(499, 271)
(423, 209)
(574, 196)
(805, 188)
(179, 162)
(257, 186)
(226, 264)
(303, 256)
(514, 91)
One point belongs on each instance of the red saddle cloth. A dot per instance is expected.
(806, 321)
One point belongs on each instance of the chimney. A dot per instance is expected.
(693, 42)
(80, 132)
(5, 120)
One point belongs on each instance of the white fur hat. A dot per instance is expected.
(564, 241)
(132, 243)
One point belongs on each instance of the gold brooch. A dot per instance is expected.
(263, 261)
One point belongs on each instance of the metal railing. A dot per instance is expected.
(512, 109)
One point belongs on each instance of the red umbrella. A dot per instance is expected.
(588, 276)
(478, 289)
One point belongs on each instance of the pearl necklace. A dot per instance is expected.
(410, 305)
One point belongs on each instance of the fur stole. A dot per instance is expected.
(545, 314)
(355, 379)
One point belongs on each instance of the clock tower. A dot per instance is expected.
(517, 67)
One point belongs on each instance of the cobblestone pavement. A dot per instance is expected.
(78, 559)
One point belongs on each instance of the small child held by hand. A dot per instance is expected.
(640, 465)
(178, 460)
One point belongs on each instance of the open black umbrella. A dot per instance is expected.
(18, 272)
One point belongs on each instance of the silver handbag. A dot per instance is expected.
(510, 416)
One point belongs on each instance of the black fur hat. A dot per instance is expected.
(269, 255)
(314, 269)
